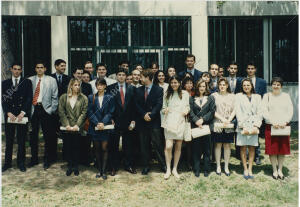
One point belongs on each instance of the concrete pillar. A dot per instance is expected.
(200, 41)
(59, 40)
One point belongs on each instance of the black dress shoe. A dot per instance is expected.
(163, 169)
(227, 174)
(206, 174)
(197, 173)
(33, 163)
(113, 172)
(257, 161)
(76, 172)
(281, 177)
(22, 168)
(69, 172)
(131, 170)
(5, 167)
(145, 171)
(46, 165)
(98, 175)
(104, 176)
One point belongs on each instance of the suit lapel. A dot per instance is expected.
(151, 93)
(127, 94)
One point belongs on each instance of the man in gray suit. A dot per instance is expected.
(44, 104)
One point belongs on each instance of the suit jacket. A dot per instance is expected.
(152, 104)
(86, 89)
(99, 115)
(50, 93)
(260, 86)
(122, 116)
(17, 99)
(75, 116)
(62, 88)
(238, 84)
(197, 74)
(206, 111)
(248, 113)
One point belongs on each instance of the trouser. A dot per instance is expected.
(40, 116)
(85, 149)
(148, 136)
(21, 138)
(201, 146)
(56, 126)
(127, 148)
(262, 135)
(72, 147)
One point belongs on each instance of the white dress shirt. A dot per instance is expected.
(14, 80)
(100, 98)
(253, 79)
(124, 88)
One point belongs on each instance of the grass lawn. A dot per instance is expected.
(37, 187)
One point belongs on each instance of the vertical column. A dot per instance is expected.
(200, 41)
(59, 40)
(266, 49)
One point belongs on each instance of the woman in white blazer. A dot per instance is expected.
(249, 119)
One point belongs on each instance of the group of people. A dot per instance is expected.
(152, 111)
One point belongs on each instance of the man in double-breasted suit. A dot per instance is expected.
(260, 86)
(16, 104)
(44, 104)
(123, 116)
(190, 63)
(149, 99)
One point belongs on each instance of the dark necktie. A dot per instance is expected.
(122, 95)
(16, 83)
(146, 93)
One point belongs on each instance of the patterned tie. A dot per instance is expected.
(122, 95)
(232, 85)
(36, 93)
(146, 93)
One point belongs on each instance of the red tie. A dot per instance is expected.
(36, 93)
(146, 93)
(122, 95)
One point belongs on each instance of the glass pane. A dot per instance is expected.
(176, 32)
(37, 43)
(78, 58)
(145, 32)
(285, 48)
(112, 61)
(221, 41)
(249, 45)
(113, 32)
(144, 59)
(176, 58)
(83, 32)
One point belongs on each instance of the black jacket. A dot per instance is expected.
(86, 89)
(62, 88)
(17, 99)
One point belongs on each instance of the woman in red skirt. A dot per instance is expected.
(278, 112)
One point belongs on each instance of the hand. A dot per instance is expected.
(276, 126)
(245, 132)
(68, 128)
(255, 130)
(282, 126)
(20, 116)
(199, 123)
(11, 116)
(132, 125)
(112, 122)
(75, 128)
(147, 117)
(100, 126)
(166, 111)
(225, 121)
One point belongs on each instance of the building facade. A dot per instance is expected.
(146, 31)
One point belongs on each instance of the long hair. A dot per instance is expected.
(210, 85)
(252, 87)
(226, 82)
(170, 90)
(155, 79)
(71, 83)
(207, 90)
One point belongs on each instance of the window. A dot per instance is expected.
(141, 40)
(28, 39)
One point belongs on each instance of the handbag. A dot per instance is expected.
(187, 134)
(286, 131)
(87, 121)
(200, 132)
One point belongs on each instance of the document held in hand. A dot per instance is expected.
(111, 126)
(24, 121)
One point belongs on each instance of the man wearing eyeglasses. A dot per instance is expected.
(16, 104)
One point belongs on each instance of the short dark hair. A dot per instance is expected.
(40, 62)
(75, 69)
(226, 82)
(188, 73)
(59, 61)
(251, 63)
(252, 86)
(190, 56)
(124, 61)
(277, 79)
(122, 70)
(101, 64)
(16, 63)
(148, 73)
(154, 63)
(232, 63)
(100, 81)
(213, 64)
(88, 62)
(85, 72)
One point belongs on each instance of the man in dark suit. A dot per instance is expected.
(85, 141)
(123, 95)
(190, 63)
(213, 71)
(62, 81)
(149, 99)
(16, 104)
(44, 105)
(260, 86)
(88, 66)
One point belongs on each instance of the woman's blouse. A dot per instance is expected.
(73, 100)
(164, 86)
(100, 98)
(277, 109)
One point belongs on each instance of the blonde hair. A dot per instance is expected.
(71, 83)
